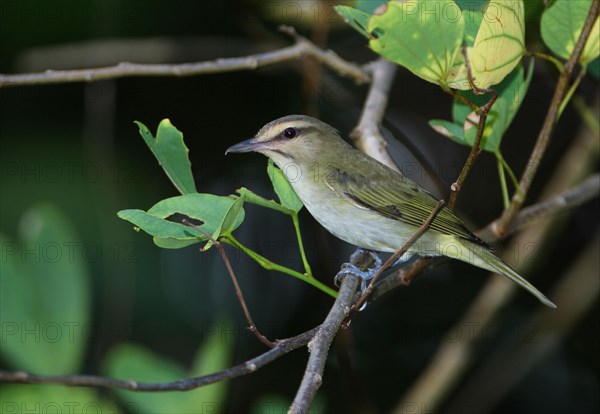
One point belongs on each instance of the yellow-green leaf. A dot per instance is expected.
(424, 36)
(561, 26)
(500, 42)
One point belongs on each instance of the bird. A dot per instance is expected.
(365, 203)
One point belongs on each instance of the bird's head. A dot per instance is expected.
(293, 138)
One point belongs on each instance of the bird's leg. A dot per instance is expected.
(365, 275)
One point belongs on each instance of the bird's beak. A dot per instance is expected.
(248, 146)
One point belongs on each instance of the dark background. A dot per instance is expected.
(169, 300)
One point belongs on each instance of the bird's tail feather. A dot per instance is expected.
(488, 260)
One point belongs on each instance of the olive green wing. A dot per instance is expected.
(399, 200)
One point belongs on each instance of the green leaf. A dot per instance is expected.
(368, 6)
(561, 26)
(355, 18)
(450, 130)
(207, 211)
(45, 294)
(254, 198)
(283, 189)
(500, 42)
(169, 149)
(473, 19)
(424, 36)
(511, 92)
(231, 218)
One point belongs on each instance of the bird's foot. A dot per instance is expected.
(364, 275)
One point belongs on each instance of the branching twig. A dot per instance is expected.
(453, 358)
(502, 224)
(392, 259)
(367, 135)
(476, 148)
(302, 47)
(281, 348)
(319, 346)
(238, 291)
(571, 198)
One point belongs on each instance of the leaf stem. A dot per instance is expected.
(511, 173)
(269, 265)
(549, 58)
(571, 91)
(296, 222)
(502, 177)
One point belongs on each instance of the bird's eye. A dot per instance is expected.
(289, 133)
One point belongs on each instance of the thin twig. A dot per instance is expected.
(367, 135)
(392, 259)
(281, 348)
(238, 291)
(302, 47)
(476, 148)
(573, 197)
(453, 359)
(502, 224)
(319, 346)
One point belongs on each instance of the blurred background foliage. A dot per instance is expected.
(93, 296)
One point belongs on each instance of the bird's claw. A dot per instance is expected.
(364, 275)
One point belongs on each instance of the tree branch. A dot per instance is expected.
(571, 198)
(453, 359)
(476, 148)
(281, 348)
(302, 47)
(367, 135)
(501, 225)
(319, 345)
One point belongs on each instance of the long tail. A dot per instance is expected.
(488, 260)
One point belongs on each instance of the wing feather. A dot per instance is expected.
(408, 203)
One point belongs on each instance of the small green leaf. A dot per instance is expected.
(283, 189)
(254, 198)
(368, 6)
(500, 42)
(207, 211)
(355, 18)
(511, 92)
(229, 222)
(424, 36)
(561, 26)
(450, 130)
(169, 149)
(232, 218)
(473, 19)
